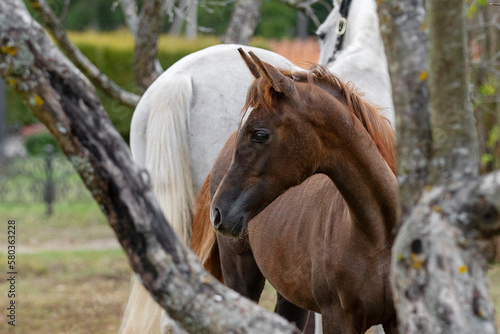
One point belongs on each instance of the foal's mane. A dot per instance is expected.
(261, 94)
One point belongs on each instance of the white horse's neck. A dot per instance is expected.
(363, 30)
(362, 59)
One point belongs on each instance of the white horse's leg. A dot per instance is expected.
(318, 324)
(376, 330)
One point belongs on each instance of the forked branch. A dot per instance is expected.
(98, 78)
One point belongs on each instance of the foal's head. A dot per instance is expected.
(277, 147)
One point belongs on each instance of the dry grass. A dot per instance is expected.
(72, 276)
(63, 290)
(494, 276)
(69, 292)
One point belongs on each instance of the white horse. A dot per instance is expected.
(186, 115)
(362, 59)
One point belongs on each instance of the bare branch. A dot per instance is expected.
(53, 24)
(69, 106)
(64, 11)
(184, 18)
(306, 7)
(300, 4)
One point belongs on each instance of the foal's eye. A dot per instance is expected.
(260, 136)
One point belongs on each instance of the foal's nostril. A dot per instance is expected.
(217, 220)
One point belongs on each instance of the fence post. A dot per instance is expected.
(302, 25)
(49, 181)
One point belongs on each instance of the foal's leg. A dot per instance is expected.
(239, 269)
(291, 312)
(336, 321)
(391, 325)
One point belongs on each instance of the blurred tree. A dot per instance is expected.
(243, 21)
(484, 60)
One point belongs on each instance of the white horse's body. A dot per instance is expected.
(214, 101)
(186, 115)
(362, 60)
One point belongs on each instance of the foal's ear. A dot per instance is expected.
(279, 82)
(250, 64)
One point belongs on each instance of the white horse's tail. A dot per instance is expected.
(167, 160)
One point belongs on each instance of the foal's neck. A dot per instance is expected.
(353, 162)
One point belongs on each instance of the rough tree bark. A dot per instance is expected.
(68, 105)
(406, 49)
(455, 155)
(438, 266)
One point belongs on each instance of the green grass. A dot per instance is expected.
(75, 224)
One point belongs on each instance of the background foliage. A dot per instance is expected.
(97, 27)
(112, 52)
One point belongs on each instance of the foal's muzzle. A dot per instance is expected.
(227, 224)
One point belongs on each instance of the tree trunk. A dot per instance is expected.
(455, 155)
(438, 267)
(146, 66)
(243, 22)
(302, 22)
(130, 13)
(68, 105)
(402, 25)
(192, 22)
(178, 22)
